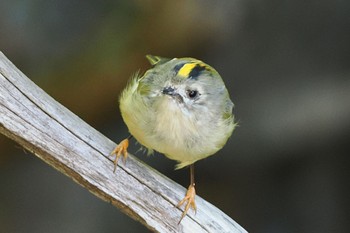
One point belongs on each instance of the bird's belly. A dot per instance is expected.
(170, 131)
(177, 135)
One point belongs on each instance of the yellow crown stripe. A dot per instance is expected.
(187, 68)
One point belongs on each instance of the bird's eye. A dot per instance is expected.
(192, 94)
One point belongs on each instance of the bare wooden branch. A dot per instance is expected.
(44, 127)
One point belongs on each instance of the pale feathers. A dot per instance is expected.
(184, 129)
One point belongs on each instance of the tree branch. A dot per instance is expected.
(47, 129)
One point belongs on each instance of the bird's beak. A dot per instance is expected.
(169, 91)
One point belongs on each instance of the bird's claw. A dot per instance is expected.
(120, 149)
(189, 199)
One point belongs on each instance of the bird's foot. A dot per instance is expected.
(120, 149)
(189, 199)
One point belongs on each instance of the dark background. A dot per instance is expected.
(285, 63)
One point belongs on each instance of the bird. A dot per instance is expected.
(181, 108)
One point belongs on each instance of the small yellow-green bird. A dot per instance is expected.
(181, 108)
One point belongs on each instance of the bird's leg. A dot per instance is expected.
(121, 149)
(190, 196)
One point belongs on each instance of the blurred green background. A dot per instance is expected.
(285, 63)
